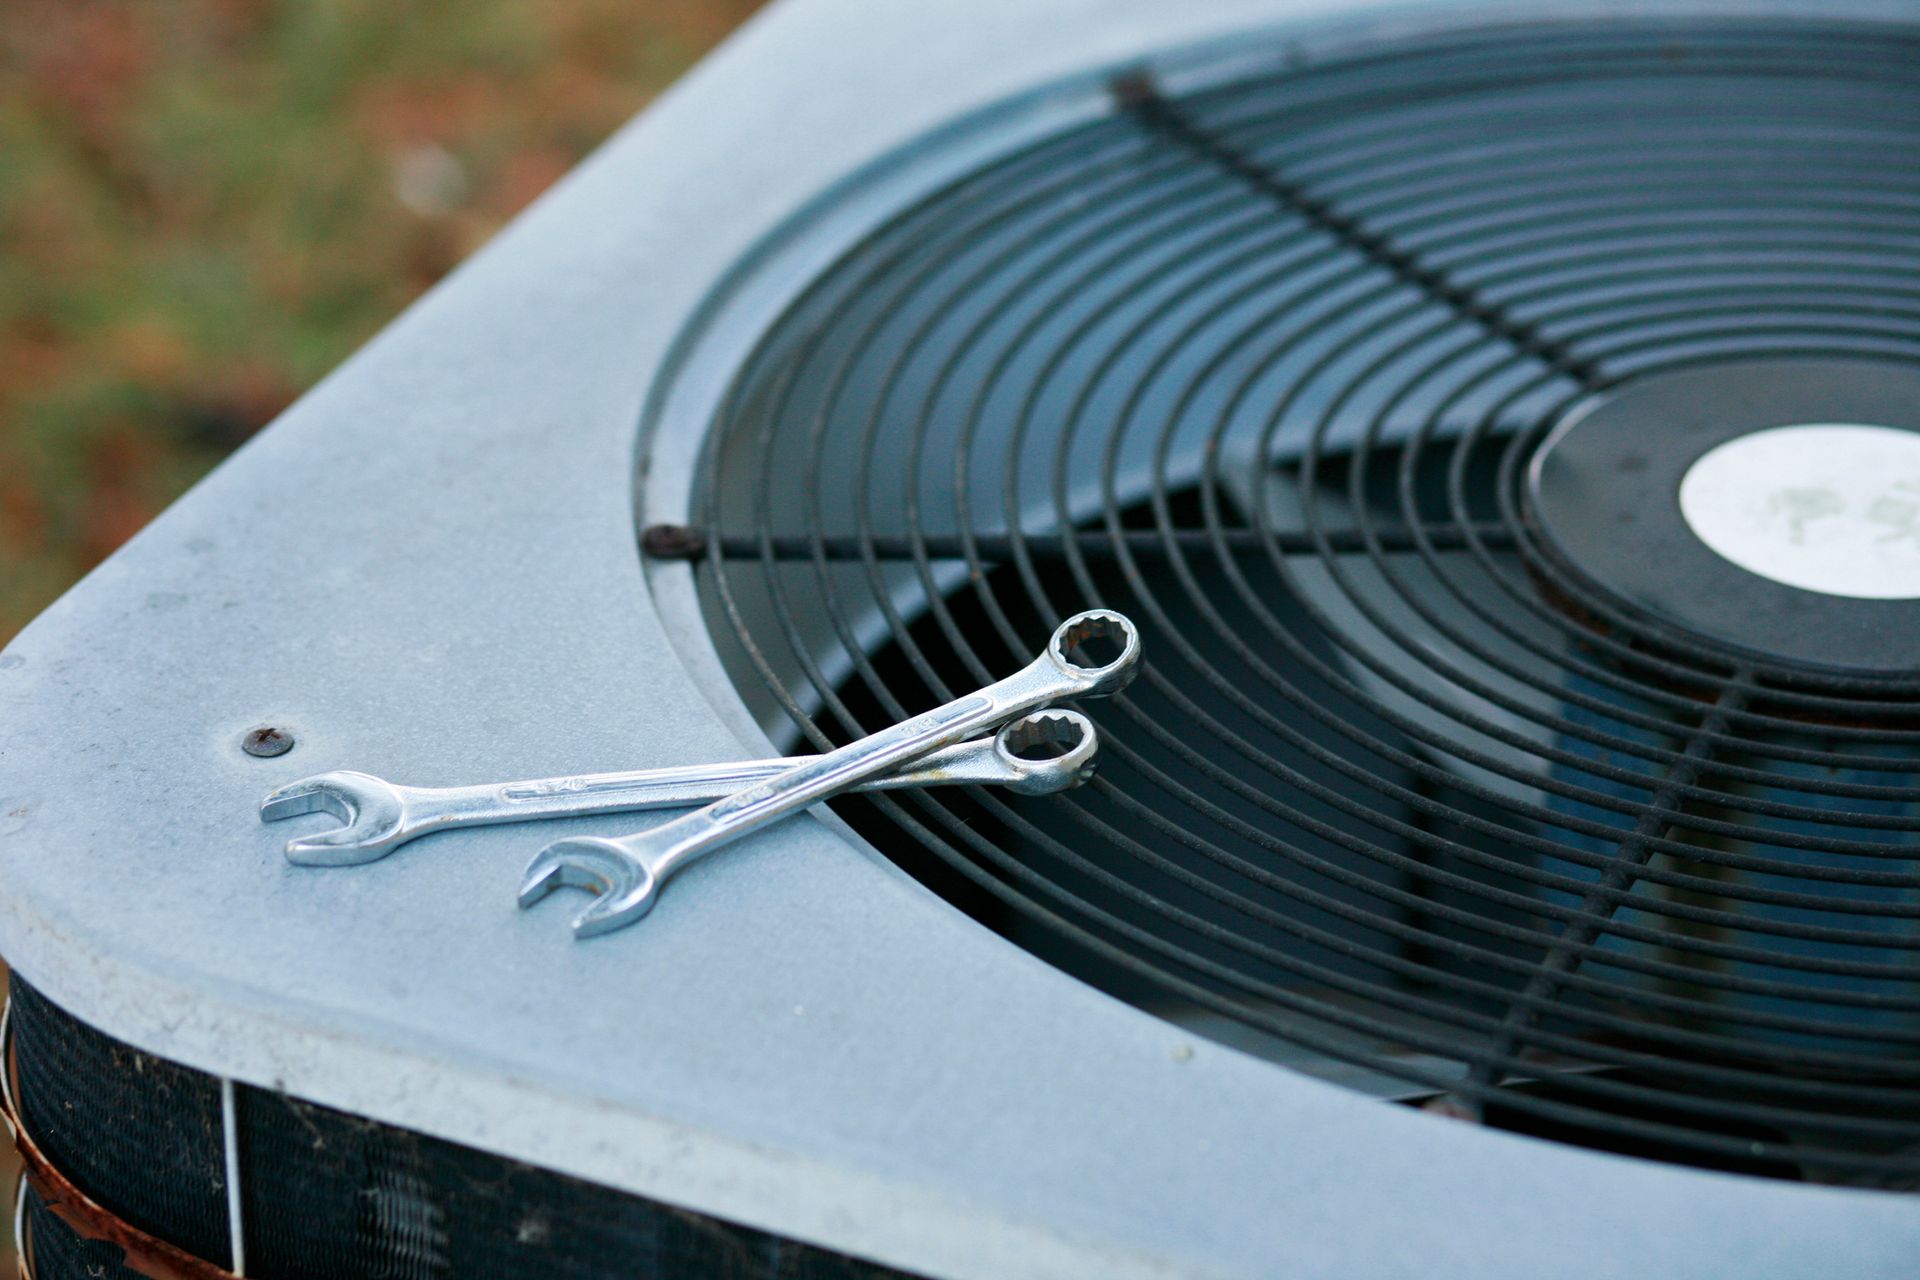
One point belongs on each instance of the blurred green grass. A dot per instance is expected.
(206, 204)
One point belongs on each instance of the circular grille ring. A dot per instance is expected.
(1264, 367)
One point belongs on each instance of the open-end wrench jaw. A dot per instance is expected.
(624, 888)
(1091, 654)
(372, 810)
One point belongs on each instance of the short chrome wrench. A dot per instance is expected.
(625, 874)
(380, 816)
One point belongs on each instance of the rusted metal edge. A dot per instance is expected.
(22, 1264)
(146, 1255)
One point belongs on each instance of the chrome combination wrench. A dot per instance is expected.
(380, 816)
(625, 874)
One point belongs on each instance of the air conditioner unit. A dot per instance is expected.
(1500, 421)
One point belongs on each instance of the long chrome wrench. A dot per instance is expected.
(380, 816)
(625, 874)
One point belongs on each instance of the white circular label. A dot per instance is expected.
(1832, 507)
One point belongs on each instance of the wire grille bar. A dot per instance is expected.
(1138, 94)
(1599, 905)
(1000, 549)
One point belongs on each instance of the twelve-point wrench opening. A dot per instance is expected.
(1107, 645)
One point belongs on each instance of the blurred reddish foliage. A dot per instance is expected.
(207, 204)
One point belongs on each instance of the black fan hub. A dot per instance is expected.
(1769, 506)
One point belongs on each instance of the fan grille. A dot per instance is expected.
(1401, 798)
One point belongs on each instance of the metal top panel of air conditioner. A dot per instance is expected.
(427, 569)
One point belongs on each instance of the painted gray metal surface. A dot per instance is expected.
(427, 568)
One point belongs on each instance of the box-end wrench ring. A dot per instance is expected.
(380, 816)
(625, 874)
